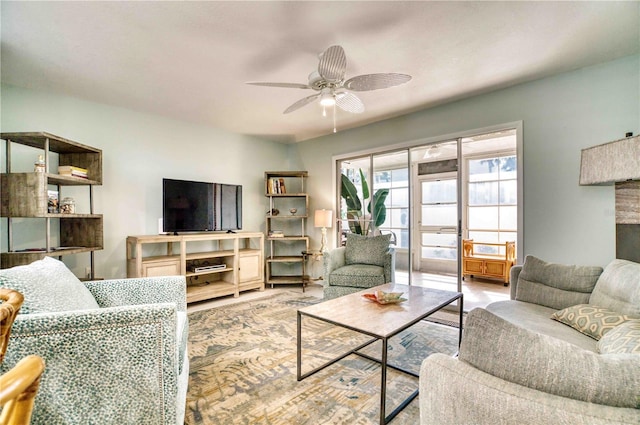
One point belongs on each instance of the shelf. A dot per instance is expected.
(283, 280)
(289, 238)
(226, 269)
(12, 259)
(209, 290)
(290, 216)
(285, 259)
(210, 254)
(286, 195)
(58, 179)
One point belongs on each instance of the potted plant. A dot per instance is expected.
(361, 221)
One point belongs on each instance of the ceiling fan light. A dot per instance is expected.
(327, 99)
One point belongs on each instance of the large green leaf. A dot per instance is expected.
(350, 195)
(365, 186)
(379, 209)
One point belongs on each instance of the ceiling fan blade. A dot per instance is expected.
(333, 64)
(299, 104)
(376, 81)
(285, 85)
(349, 102)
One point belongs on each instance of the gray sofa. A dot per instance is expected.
(517, 365)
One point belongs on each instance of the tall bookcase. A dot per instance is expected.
(285, 228)
(25, 195)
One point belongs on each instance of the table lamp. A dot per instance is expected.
(324, 219)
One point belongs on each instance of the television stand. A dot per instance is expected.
(226, 263)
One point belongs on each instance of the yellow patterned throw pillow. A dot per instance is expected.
(624, 338)
(591, 320)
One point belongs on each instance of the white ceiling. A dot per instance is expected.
(190, 60)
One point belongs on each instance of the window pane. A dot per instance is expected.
(485, 249)
(439, 239)
(484, 236)
(483, 169)
(399, 217)
(509, 192)
(483, 193)
(508, 167)
(509, 218)
(508, 236)
(434, 192)
(483, 217)
(440, 253)
(400, 177)
(398, 198)
(439, 215)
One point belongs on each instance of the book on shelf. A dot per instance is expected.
(276, 186)
(276, 234)
(70, 170)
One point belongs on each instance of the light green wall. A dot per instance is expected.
(138, 151)
(563, 222)
(561, 115)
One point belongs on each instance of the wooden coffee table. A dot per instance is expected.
(381, 322)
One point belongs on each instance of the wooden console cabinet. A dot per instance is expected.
(215, 264)
(495, 266)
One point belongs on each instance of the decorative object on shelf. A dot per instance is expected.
(273, 212)
(68, 206)
(323, 218)
(293, 211)
(39, 165)
(52, 202)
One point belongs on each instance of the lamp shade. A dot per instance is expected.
(323, 218)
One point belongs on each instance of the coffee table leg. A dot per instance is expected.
(383, 382)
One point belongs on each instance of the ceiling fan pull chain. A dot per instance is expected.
(334, 118)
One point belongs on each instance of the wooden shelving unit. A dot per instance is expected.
(237, 259)
(285, 263)
(24, 195)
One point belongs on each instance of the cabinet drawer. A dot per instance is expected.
(165, 267)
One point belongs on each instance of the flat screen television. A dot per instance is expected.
(191, 206)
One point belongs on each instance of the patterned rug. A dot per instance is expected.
(243, 367)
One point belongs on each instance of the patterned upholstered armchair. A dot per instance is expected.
(364, 262)
(115, 350)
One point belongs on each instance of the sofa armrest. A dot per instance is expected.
(113, 365)
(137, 291)
(454, 392)
(333, 260)
(513, 279)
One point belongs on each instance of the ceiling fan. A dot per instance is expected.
(332, 88)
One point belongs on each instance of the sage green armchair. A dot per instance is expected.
(364, 262)
(115, 350)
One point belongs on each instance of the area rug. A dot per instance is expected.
(243, 367)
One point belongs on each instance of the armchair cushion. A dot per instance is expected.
(358, 276)
(367, 250)
(555, 285)
(48, 286)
